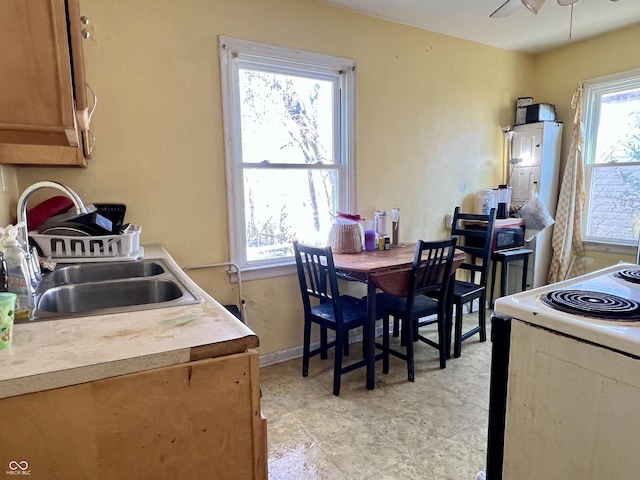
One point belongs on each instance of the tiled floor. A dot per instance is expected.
(435, 428)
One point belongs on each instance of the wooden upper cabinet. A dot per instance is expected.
(43, 106)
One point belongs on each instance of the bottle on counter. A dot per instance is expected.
(18, 273)
(4, 286)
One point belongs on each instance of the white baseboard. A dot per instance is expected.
(354, 336)
(281, 356)
(296, 352)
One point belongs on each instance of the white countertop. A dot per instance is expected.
(57, 353)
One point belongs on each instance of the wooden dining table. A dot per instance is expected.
(387, 270)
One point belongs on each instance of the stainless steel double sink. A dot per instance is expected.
(85, 289)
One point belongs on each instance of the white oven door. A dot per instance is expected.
(573, 409)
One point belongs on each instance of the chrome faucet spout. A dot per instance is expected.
(24, 198)
(34, 268)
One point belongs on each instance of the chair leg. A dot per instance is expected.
(457, 346)
(442, 338)
(504, 274)
(323, 343)
(385, 343)
(493, 280)
(337, 367)
(449, 324)
(396, 326)
(306, 348)
(408, 325)
(403, 327)
(482, 318)
(346, 343)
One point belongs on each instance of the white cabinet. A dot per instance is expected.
(537, 148)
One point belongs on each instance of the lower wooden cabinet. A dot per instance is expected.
(196, 420)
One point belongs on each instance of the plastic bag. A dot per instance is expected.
(536, 217)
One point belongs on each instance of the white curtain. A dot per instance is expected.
(567, 260)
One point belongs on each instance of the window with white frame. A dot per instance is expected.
(289, 124)
(612, 157)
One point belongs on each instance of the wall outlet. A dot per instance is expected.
(448, 221)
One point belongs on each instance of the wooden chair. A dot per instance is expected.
(330, 310)
(476, 236)
(430, 275)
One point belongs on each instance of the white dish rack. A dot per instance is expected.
(103, 248)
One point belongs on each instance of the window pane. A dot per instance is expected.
(618, 138)
(285, 118)
(614, 203)
(283, 205)
(289, 118)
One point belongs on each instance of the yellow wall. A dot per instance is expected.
(557, 74)
(428, 137)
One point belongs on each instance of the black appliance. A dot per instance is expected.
(500, 348)
(508, 234)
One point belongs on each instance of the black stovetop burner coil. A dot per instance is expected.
(588, 303)
(629, 275)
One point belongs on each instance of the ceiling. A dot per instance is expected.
(521, 31)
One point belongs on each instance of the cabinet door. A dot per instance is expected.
(37, 98)
(568, 409)
(527, 146)
(523, 180)
(196, 420)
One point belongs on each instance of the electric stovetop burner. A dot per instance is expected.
(593, 304)
(629, 275)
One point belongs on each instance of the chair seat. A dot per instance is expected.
(476, 232)
(427, 296)
(465, 289)
(354, 310)
(324, 306)
(422, 305)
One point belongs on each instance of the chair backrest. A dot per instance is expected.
(317, 276)
(475, 234)
(431, 268)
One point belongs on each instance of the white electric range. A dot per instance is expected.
(602, 307)
(571, 380)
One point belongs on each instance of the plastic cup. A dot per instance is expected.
(7, 312)
(369, 240)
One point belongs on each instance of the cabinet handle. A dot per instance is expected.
(88, 137)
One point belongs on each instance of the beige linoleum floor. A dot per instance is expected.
(435, 428)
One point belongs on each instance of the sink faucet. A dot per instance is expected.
(22, 216)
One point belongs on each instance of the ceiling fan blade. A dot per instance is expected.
(566, 3)
(506, 9)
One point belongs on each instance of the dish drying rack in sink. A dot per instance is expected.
(102, 248)
(68, 249)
